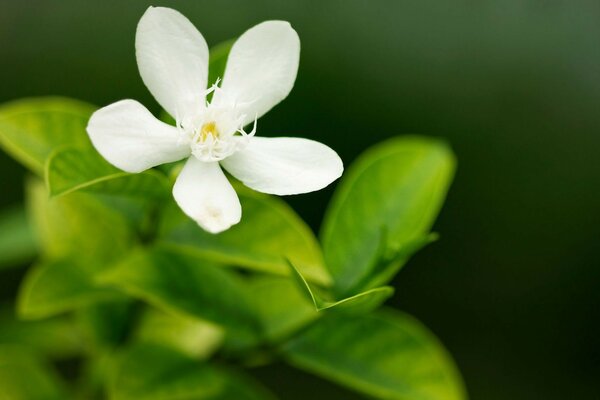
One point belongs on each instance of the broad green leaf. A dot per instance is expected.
(190, 336)
(387, 200)
(78, 225)
(361, 302)
(69, 169)
(387, 355)
(54, 337)
(190, 286)
(269, 232)
(153, 372)
(281, 307)
(23, 376)
(18, 244)
(30, 129)
(54, 287)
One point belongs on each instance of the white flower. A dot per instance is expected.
(172, 57)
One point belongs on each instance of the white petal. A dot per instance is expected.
(205, 195)
(129, 137)
(285, 165)
(172, 57)
(261, 68)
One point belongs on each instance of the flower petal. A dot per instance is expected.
(172, 57)
(205, 195)
(285, 165)
(261, 69)
(129, 137)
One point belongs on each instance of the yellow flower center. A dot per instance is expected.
(210, 128)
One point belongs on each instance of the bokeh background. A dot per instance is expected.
(513, 286)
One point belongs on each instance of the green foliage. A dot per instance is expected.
(388, 355)
(155, 306)
(24, 376)
(31, 129)
(187, 285)
(58, 286)
(361, 302)
(188, 335)
(152, 372)
(18, 244)
(70, 169)
(54, 337)
(383, 210)
(269, 233)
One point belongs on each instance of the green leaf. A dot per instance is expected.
(361, 302)
(190, 336)
(187, 285)
(387, 355)
(78, 225)
(18, 244)
(388, 199)
(105, 325)
(54, 287)
(54, 337)
(23, 376)
(269, 232)
(30, 129)
(281, 307)
(152, 372)
(69, 169)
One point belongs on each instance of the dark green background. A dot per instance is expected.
(512, 287)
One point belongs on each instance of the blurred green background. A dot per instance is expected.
(512, 287)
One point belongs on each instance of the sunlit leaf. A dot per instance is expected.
(387, 355)
(30, 129)
(78, 224)
(191, 336)
(187, 285)
(23, 376)
(70, 169)
(386, 201)
(269, 232)
(18, 244)
(153, 372)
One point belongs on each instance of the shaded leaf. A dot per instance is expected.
(53, 337)
(18, 244)
(58, 286)
(152, 372)
(387, 355)
(281, 307)
(193, 287)
(23, 376)
(390, 195)
(30, 129)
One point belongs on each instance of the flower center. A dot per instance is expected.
(217, 132)
(207, 129)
